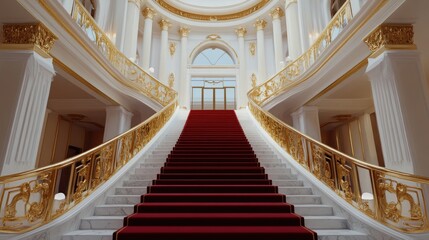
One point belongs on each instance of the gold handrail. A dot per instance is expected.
(135, 76)
(393, 198)
(33, 198)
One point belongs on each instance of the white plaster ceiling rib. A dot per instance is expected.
(246, 21)
(217, 7)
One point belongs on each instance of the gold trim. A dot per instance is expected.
(252, 48)
(277, 13)
(29, 34)
(260, 24)
(148, 13)
(202, 17)
(241, 31)
(390, 36)
(172, 48)
(184, 31)
(164, 24)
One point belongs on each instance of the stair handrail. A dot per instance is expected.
(33, 198)
(135, 77)
(393, 198)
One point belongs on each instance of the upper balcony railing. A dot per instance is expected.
(395, 199)
(136, 77)
(33, 198)
(290, 75)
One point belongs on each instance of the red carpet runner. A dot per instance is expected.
(211, 188)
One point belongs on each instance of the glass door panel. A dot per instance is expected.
(219, 99)
(197, 98)
(208, 98)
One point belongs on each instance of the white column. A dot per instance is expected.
(292, 30)
(148, 15)
(184, 84)
(368, 139)
(277, 37)
(243, 87)
(118, 120)
(119, 23)
(163, 65)
(262, 72)
(399, 89)
(131, 29)
(306, 120)
(24, 96)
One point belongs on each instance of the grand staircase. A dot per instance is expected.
(200, 194)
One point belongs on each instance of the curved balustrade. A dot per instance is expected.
(393, 198)
(28, 199)
(290, 75)
(33, 198)
(136, 77)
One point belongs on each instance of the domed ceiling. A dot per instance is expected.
(210, 10)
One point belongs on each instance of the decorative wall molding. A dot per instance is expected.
(172, 48)
(252, 48)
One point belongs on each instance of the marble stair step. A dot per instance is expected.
(325, 222)
(130, 190)
(277, 176)
(123, 199)
(102, 222)
(332, 234)
(288, 183)
(304, 199)
(295, 190)
(314, 210)
(114, 210)
(116, 222)
(137, 183)
(153, 170)
(126, 209)
(89, 235)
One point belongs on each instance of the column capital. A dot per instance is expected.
(148, 13)
(290, 2)
(136, 2)
(390, 36)
(260, 24)
(184, 31)
(277, 13)
(164, 24)
(34, 34)
(241, 31)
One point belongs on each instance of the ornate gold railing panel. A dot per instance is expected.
(289, 76)
(136, 77)
(393, 198)
(398, 198)
(27, 199)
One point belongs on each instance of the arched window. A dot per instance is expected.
(213, 57)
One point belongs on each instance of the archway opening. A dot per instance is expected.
(213, 86)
